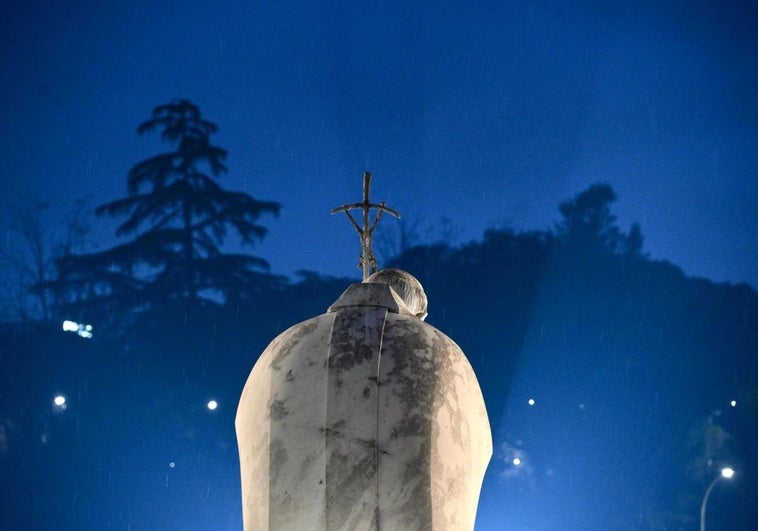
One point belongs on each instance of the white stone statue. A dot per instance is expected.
(363, 418)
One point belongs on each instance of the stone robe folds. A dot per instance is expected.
(363, 418)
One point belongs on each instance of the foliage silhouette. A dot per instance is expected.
(588, 223)
(30, 258)
(29, 252)
(179, 217)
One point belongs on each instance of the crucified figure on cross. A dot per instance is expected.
(367, 262)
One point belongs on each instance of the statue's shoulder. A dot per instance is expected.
(370, 295)
(308, 333)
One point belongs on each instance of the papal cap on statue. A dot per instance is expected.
(406, 286)
(363, 418)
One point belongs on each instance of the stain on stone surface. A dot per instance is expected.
(277, 410)
(288, 341)
(356, 336)
(351, 468)
(412, 375)
(277, 457)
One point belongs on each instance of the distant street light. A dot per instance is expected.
(726, 473)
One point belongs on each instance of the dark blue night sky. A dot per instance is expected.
(469, 118)
(486, 115)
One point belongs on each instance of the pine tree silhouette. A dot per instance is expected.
(179, 217)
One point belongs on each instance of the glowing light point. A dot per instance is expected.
(171, 464)
(733, 403)
(212, 405)
(59, 400)
(531, 401)
(727, 472)
(516, 461)
(82, 330)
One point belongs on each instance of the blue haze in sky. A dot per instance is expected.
(488, 114)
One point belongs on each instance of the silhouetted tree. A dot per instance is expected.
(587, 219)
(634, 241)
(589, 226)
(29, 252)
(397, 238)
(181, 217)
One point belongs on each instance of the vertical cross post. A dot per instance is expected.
(367, 262)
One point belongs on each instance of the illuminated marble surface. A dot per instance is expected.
(361, 418)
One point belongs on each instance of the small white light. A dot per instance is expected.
(85, 331)
(516, 461)
(727, 472)
(59, 400)
(733, 403)
(171, 464)
(531, 401)
(212, 404)
(82, 330)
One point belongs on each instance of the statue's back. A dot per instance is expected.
(359, 419)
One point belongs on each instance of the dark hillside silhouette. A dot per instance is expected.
(481, 295)
(632, 366)
(628, 353)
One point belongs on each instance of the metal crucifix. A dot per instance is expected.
(367, 261)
